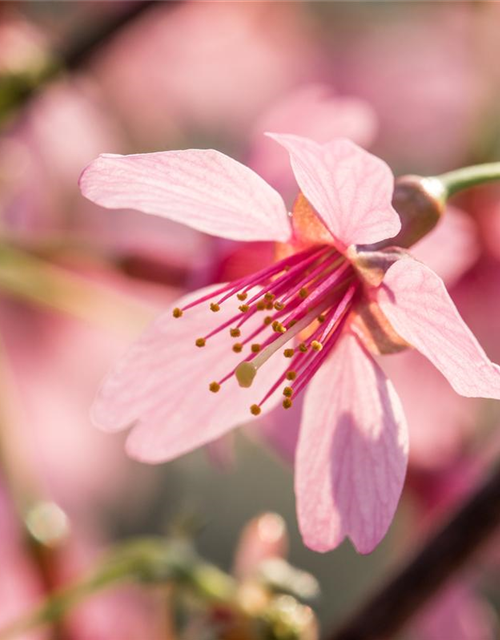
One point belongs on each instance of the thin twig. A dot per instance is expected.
(446, 552)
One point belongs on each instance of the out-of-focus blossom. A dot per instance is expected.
(420, 74)
(163, 88)
(325, 292)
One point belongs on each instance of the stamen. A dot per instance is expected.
(316, 346)
(291, 375)
(242, 296)
(214, 387)
(255, 409)
(288, 353)
(235, 333)
(255, 348)
(177, 313)
(214, 307)
(288, 392)
(287, 403)
(238, 347)
(243, 308)
(200, 342)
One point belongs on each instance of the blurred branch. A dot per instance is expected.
(37, 281)
(147, 560)
(17, 89)
(444, 553)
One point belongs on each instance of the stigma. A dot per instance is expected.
(305, 300)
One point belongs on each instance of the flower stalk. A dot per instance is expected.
(467, 177)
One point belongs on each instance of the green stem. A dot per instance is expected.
(460, 179)
(147, 560)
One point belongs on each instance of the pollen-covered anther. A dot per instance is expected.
(321, 318)
(261, 305)
(214, 307)
(235, 333)
(288, 353)
(287, 403)
(214, 387)
(255, 410)
(238, 347)
(303, 293)
(200, 342)
(303, 347)
(255, 347)
(279, 306)
(177, 313)
(269, 296)
(278, 327)
(288, 392)
(316, 346)
(267, 320)
(270, 306)
(243, 308)
(291, 375)
(242, 296)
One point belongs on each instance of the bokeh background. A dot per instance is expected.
(417, 83)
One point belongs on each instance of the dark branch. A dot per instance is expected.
(447, 551)
(81, 48)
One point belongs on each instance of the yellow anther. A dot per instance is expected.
(321, 318)
(214, 307)
(269, 306)
(291, 375)
(237, 348)
(261, 305)
(288, 353)
(200, 342)
(287, 403)
(316, 346)
(268, 320)
(303, 293)
(288, 392)
(255, 409)
(214, 387)
(255, 348)
(278, 327)
(303, 347)
(269, 296)
(279, 306)
(243, 308)
(177, 313)
(242, 296)
(235, 333)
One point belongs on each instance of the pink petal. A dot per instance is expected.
(312, 111)
(199, 187)
(352, 452)
(416, 302)
(161, 385)
(350, 188)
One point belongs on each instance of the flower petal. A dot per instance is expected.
(350, 188)
(416, 303)
(352, 452)
(202, 188)
(161, 385)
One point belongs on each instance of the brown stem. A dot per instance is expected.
(447, 551)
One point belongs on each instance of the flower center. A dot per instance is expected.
(306, 298)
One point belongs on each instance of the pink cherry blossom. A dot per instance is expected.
(329, 301)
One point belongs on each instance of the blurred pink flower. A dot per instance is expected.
(352, 449)
(419, 70)
(164, 89)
